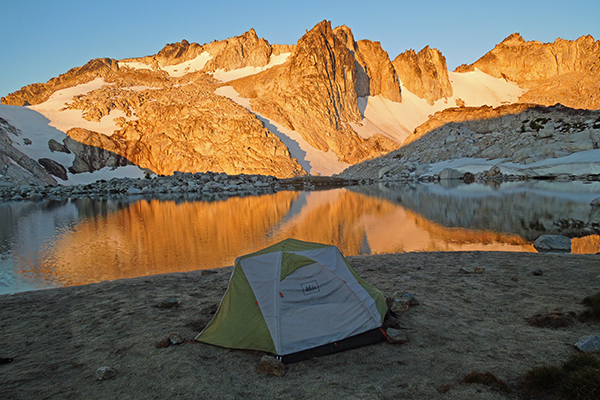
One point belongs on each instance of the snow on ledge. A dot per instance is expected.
(226, 76)
(189, 66)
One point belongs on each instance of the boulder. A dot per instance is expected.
(451, 174)
(395, 336)
(53, 145)
(595, 202)
(589, 344)
(553, 243)
(54, 168)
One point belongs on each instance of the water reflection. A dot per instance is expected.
(84, 241)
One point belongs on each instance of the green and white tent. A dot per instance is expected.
(296, 300)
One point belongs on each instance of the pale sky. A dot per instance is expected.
(41, 39)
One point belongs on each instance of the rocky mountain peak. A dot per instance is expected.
(565, 71)
(318, 80)
(514, 39)
(376, 64)
(424, 74)
(346, 36)
(239, 52)
(176, 53)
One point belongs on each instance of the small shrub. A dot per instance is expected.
(582, 384)
(592, 304)
(577, 379)
(581, 361)
(553, 319)
(543, 379)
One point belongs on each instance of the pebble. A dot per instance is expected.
(105, 373)
(175, 338)
(395, 336)
(538, 272)
(271, 366)
(163, 342)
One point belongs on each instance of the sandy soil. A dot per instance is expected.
(465, 322)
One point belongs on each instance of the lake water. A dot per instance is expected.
(81, 241)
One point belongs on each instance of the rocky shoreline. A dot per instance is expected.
(209, 186)
(190, 186)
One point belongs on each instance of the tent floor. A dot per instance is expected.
(362, 339)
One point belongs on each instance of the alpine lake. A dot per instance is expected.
(51, 244)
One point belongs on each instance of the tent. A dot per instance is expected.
(296, 300)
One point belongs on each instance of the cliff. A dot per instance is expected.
(314, 93)
(424, 73)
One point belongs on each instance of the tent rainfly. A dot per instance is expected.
(296, 300)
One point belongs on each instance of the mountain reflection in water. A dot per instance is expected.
(83, 241)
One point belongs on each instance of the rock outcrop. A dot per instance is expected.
(565, 71)
(184, 128)
(314, 93)
(424, 73)
(461, 114)
(247, 50)
(171, 54)
(16, 167)
(375, 74)
(379, 69)
(39, 92)
(520, 133)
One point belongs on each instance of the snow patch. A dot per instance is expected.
(581, 163)
(389, 118)
(128, 171)
(477, 88)
(67, 119)
(190, 66)
(226, 76)
(134, 65)
(140, 88)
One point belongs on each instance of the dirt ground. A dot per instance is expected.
(58, 338)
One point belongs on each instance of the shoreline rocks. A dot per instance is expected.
(190, 186)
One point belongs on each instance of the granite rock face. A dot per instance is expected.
(424, 73)
(378, 67)
(172, 54)
(319, 81)
(239, 52)
(16, 167)
(184, 128)
(565, 71)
